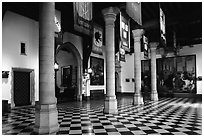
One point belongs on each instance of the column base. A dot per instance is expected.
(110, 106)
(87, 98)
(46, 119)
(154, 95)
(79, 97)
(138, 99)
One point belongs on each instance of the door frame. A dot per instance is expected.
(32, 86)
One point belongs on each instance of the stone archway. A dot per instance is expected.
(71, 48)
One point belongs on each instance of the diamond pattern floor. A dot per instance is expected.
(168, 116)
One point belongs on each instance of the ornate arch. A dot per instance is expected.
(70, 47)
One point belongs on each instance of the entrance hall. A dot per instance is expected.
(101, 68)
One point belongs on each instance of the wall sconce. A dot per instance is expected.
(89, 70)
(56, 66)
(199, 78)
(5, 74)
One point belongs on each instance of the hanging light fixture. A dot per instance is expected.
(89, 70)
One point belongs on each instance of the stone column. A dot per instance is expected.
(153, 47)
(137, 35)
(110, 100)
(119, 79)
(79, 81)
(46, 115)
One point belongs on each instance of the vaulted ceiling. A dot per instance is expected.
(184, 18)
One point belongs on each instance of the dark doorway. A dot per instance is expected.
(67, 76)
(22, 88)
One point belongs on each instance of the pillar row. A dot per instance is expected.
(137, 35)
(110, 105)
(46, 115)
(154, 94)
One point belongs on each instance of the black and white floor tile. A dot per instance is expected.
(168, 116)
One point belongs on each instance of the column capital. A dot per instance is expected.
(153, 45)
(138, 33)
(110, 13)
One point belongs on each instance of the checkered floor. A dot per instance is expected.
(168, 116)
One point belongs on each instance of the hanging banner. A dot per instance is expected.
(82, 17)
(133, 9)
(145, 47)
(162, 27)
(97, 40)
(125, 32)
(121, 54)
(57, 27)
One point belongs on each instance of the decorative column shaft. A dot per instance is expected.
(79, 80)
(46, 115)
(110, 100)
(137, 35)
(119, 80)
(153, 47)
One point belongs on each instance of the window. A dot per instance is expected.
(23, 48)
(127, 80)
(133, 80)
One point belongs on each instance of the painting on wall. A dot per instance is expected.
(177, 74)
(185, 78)
(97, 75)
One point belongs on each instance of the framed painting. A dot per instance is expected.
(97, 66)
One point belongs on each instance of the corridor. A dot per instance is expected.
(168, 116)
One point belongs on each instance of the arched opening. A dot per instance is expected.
(69, 75)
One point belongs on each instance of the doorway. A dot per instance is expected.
(67, 76)
(22, 88)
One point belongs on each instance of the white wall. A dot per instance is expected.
(17, 29)
(127, 72)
